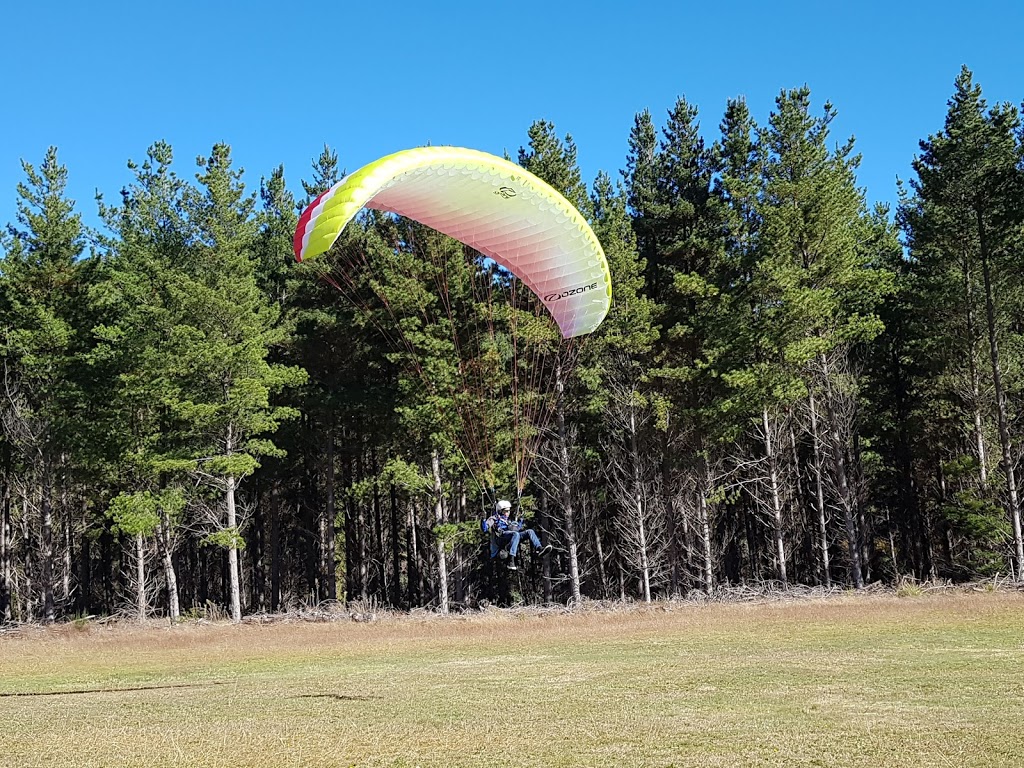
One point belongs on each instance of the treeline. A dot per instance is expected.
(790, 386)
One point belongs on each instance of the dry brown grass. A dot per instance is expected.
(923, 681)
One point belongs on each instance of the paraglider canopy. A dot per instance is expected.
(491, 205)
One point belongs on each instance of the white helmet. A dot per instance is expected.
(502, 505)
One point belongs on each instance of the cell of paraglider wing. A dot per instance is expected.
(491, 205)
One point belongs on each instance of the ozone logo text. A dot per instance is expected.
(570, 292)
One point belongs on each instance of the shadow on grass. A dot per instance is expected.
(335, 696)
(106, 690)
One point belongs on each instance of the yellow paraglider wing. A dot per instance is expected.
(491, 205)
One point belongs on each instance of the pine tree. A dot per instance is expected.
(677, 220)
(554, 160)
(136, 303)
(963, 224)
(219, 352)
(816, 289)
(42, 290)
(621, 351)
(641, 180)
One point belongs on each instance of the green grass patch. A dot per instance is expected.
(855, 681)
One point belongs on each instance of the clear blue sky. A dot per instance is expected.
(276, 81)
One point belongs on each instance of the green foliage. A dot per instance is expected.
(141, 512)
(977, 518)
(228, 538)
(233, 465)
(960, 315)
(221, 380)
(554, 161)
(406, 476)
(134, 514)
(41, 299)
(909, 589)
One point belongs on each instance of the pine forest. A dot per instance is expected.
(791, 387)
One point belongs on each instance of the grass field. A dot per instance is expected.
(851, 681)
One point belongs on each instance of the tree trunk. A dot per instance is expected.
(83, 598)
(1013, 501)
(140, 578)
(106, 566)
(351, 566)
(46, 545)
(972, 358)
(672, 533)
(645, 564)
(379, 576)
(704, 522)
(599, 555)
(459, 570)
(838, 455)
(362, 539)
(439, 548)
(164, 539)
(233, 573)
(819, 500)
(866, 527)
(565, 487)
(5, 549)
(638, 503)
(258, 552)
(275, 547)
(396, 563)
(328, 541)
(669, 499)
(771, 451)
(412, 558)
(543, 524)
(929, 571)
(892, 543)
(28, 611)
(67, 549)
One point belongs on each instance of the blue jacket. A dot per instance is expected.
(501, 525)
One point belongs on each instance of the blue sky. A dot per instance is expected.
(277, 81)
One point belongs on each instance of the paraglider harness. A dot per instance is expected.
(494, 525)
